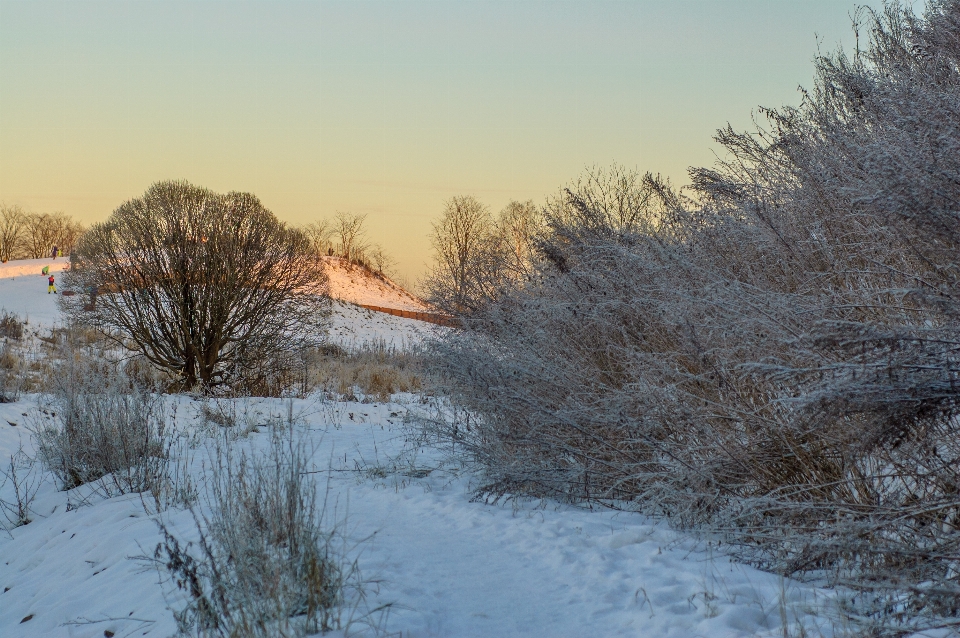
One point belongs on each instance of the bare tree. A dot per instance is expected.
(12, 228)
(518, 224)
(40, 232)
(209, 287)
(65, 232)
(468, 257)
(349, 231)
(381, 260)
(321, 235)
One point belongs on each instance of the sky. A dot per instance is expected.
(383, 108)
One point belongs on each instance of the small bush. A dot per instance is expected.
(10, 326)
(266, 564)
(24, 483)
(98, 426)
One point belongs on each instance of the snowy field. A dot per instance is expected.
(447, 566)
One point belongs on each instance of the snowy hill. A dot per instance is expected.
(357, 285)
(23, 291)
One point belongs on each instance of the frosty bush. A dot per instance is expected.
(100, 427)
(267, 565)
(772, 355)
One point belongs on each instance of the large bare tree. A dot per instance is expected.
(468, 255)
(478, 259)
(205, 286)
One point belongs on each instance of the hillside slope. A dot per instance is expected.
(23, 292)
(357, 285)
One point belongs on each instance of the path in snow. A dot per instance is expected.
(449, 566)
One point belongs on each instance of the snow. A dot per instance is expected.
(26, 295)
(447, 565)
(354, 284)
(352, 327)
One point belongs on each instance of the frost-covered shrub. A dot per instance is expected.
(267, 563)
(771, 356)
(98, 426)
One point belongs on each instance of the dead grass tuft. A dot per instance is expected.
(376, 372)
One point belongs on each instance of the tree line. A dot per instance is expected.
(26, 235)
(345, 236)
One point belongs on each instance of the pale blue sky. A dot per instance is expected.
(382, 108)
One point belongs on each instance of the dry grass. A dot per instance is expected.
(11, 327)
(374, 372)
(268, 563)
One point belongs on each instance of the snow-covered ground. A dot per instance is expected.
(448, 566)
(23, 289)
(352, 326)
(353, 284)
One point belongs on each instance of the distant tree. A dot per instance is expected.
(65, 232)
(517, 225)
(320, 234)
(12, 223)
(380, 259)
(468, 256)
(40, 233)
(205, 286)
(349, 230)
